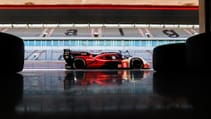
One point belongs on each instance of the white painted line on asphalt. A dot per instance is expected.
(28, 70)
(47, 70)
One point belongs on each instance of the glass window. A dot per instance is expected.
(101, 42)
(126, 43)
(95, 43)
(49, 43)
(60, 43)
(73, 43)
(55, 43)
(31, 43)
(66, 43)
(137, 43)
(117, 43)
(38, 43)
(149, 43)
(108, 43)
(83, 43)
(155, 43)
(143, 43)
(90, 43)
(26, 43)
(43, 43)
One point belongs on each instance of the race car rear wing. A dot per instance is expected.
(68, 54)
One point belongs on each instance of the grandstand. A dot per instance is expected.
(45, 42)
(48, 29)
(35, 30)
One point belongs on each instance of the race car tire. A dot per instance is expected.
(80, 75)
(12, 53)
(198, 50)
(79, 63)
(170, 57)
(136, 63)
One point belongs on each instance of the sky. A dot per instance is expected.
(115, 2)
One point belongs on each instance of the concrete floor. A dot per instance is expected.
(59, 94)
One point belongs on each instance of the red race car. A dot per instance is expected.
(108, 60)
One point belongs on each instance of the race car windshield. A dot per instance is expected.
(110, 57)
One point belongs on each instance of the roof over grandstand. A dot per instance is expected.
(99, 11)
(115, 2)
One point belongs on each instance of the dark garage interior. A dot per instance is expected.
(177, 87)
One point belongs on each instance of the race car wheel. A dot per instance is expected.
(79, 63)
(136, 63)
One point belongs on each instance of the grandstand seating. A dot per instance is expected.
(131, 32)
(25, 32)
(104, 31)
(46, 41)
(110, 32)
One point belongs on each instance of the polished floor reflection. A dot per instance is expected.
(104, 94)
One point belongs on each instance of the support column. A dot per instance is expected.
(204, 16)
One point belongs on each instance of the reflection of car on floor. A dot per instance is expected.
(85, 78)
(108, 60)
(102, 78)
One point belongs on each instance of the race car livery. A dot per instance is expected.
(108, 60)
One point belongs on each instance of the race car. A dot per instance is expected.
(93, 77)
(108, 60)
(83, 60)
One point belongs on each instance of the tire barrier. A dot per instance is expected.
(169, 57)
(192, 56)
(198, 49)
(12, 53)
